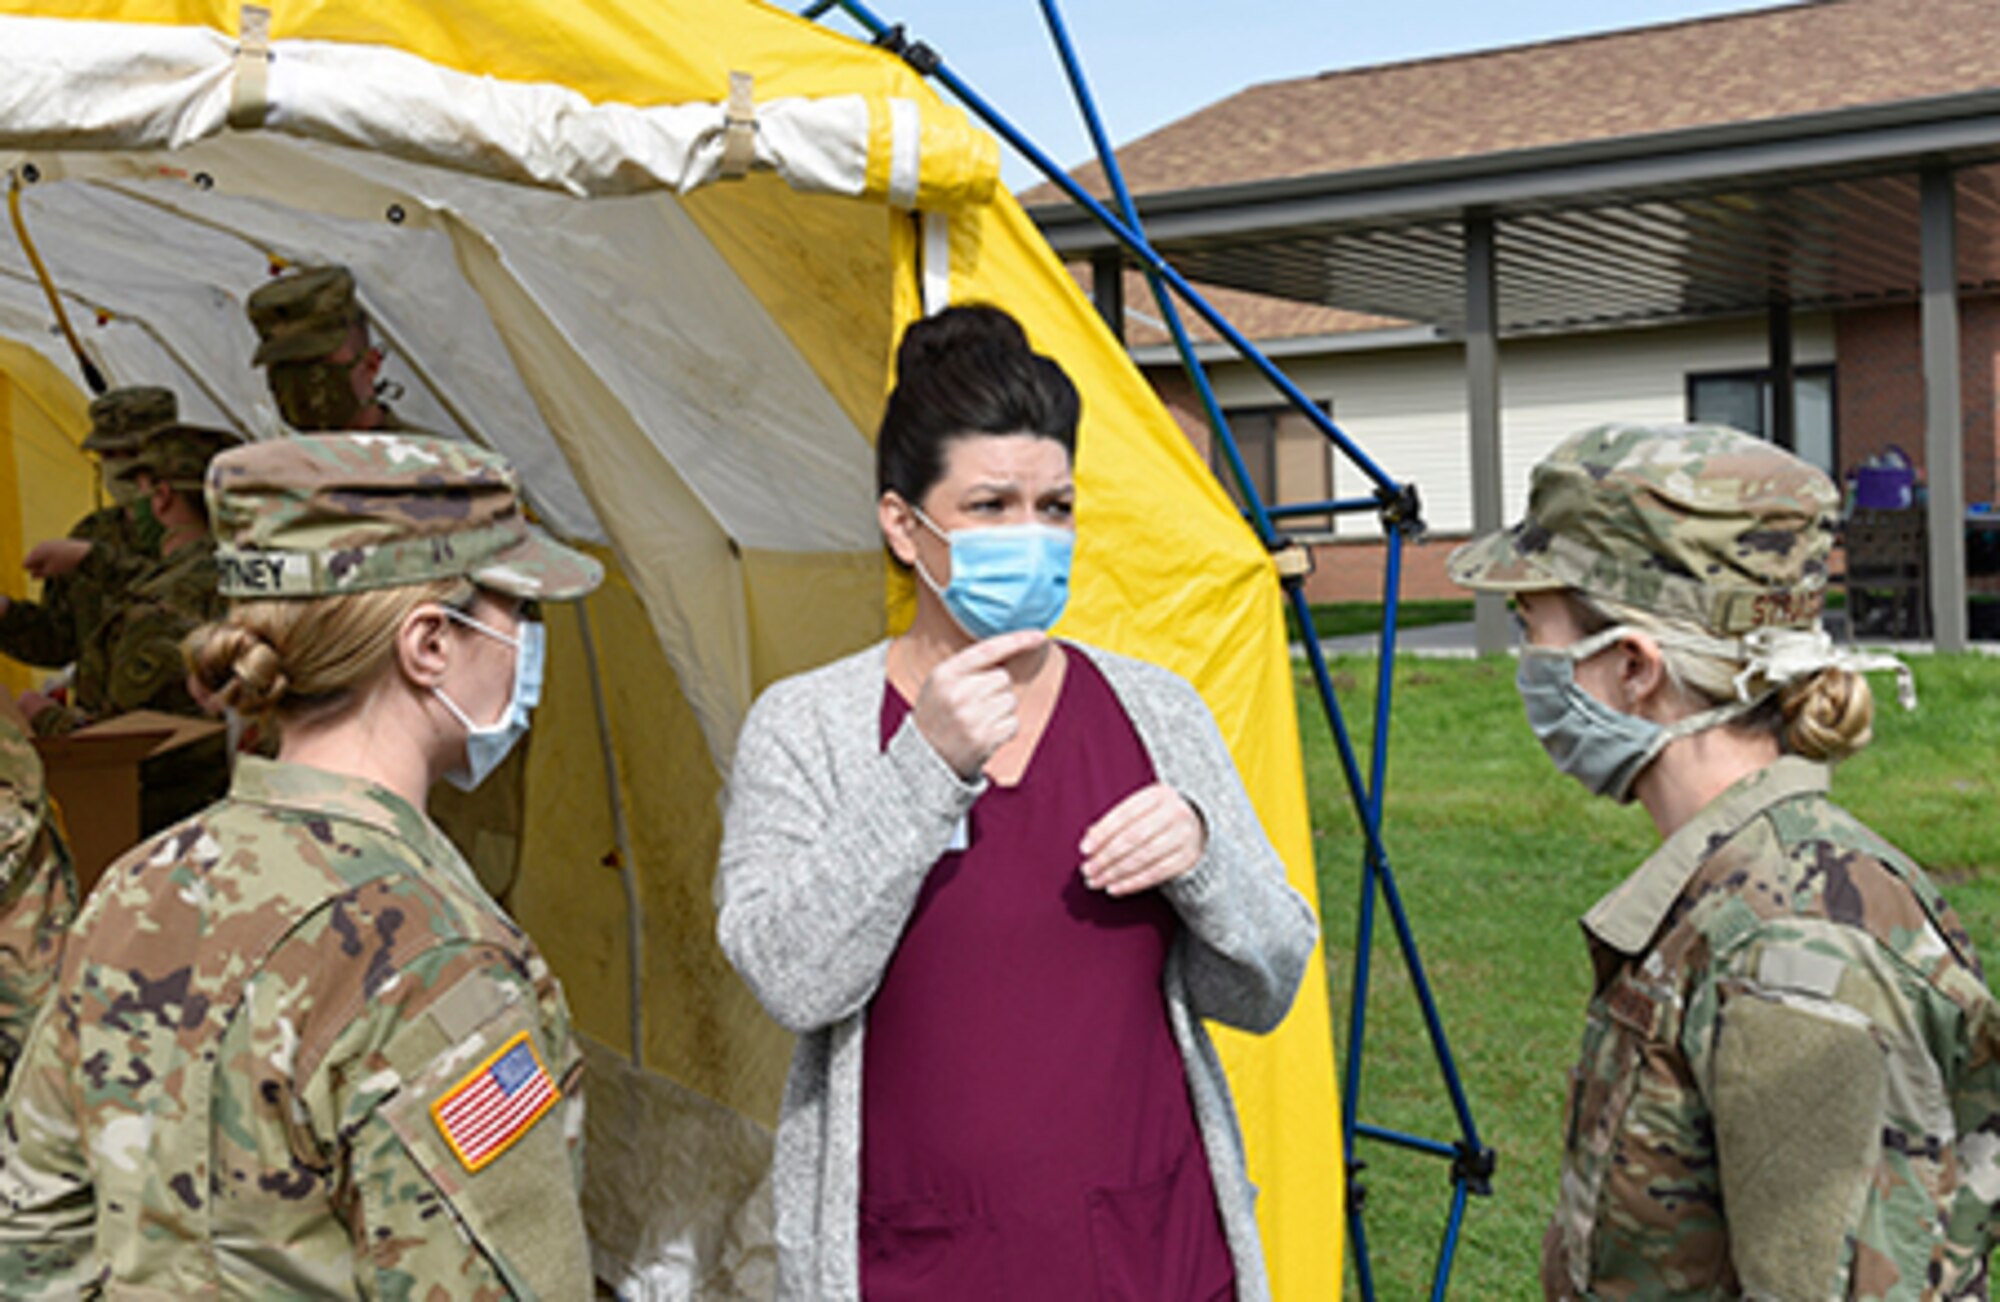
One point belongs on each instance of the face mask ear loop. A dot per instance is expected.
(464, 719)
(917, 563)
(1592, 644)
(458, 616)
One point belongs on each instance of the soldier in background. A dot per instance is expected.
(313, 338)
(133, 660)
(37, 887)
(53, 631)
(313, 341)
(296, 1049)
(1790, 1078)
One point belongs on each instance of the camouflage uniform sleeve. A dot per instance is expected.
(38, 899)
(41, 633)
(458, 1112)
(1825, 1099)
(57, 720)
(111, 566)
(48, 1207)
(47, 632)
(147, 671)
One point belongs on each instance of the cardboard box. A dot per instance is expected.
(94, 776)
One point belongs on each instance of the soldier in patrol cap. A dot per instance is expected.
(297, 1048)
(38, 891)
(52, 632)
(1790, 1078)
(323, 371)
(132, 659)
(313, 342)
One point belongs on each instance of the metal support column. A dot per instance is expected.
(1107, 290)
(1944, 423)
(1784, 429)
(1482, 405)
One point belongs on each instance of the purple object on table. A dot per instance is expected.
(1026, 1129)
(1884, 482)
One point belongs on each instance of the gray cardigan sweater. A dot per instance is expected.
(826, 843)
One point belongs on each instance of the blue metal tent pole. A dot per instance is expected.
(1372, 806)
(1448, 1249)
(1197, 374)
(1260, 516)
(1367, 800)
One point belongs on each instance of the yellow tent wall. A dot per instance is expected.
(46, 482)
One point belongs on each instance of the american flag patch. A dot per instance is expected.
(495, 1103)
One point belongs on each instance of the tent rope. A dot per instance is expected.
(92, 376)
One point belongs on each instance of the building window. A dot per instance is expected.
(1743, 399)
(1289, 460)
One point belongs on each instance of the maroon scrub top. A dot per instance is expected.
(1026, 1129)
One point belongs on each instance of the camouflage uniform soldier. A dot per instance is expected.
(37, 887)
(313, 341)
(1788, 1085)
(132, 661)
(52, 632)
(313, 338)
(295, 1049)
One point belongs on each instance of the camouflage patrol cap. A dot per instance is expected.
(122, 417)
(179, 454)
(1698, 522)
(303, 315)
(333, 513)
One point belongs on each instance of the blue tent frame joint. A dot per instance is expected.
(1398, 505)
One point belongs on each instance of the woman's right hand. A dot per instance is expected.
(967, 708)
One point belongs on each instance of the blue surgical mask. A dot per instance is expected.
(486, 745)
(1603, 748)
(1004, 578)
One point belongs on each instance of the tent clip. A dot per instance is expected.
(1293, 558)
(1473, 1167)
(1402, 511)
(250, 97)
(739, 130)
(915, 53)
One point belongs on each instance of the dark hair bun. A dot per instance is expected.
(955, 334)
(968, 370)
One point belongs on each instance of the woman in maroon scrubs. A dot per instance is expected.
(1028, 871)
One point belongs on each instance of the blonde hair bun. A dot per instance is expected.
(1828, 716)
(239, 666)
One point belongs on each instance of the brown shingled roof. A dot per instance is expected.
(1798, 59)
(1259, 316)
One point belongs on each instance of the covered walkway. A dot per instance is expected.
(1813, 157)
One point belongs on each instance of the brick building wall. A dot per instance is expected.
(1879, 387)
(1879, 397)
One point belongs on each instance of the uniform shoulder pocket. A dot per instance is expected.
(487, 1119)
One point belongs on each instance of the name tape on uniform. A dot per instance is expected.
(265, 573)
(495, 1103)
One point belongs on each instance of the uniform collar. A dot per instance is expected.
(302, 788)
(1628, 917)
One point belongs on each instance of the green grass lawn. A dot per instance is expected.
(1496, 856)
(1343, 619)
(1350, 617)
